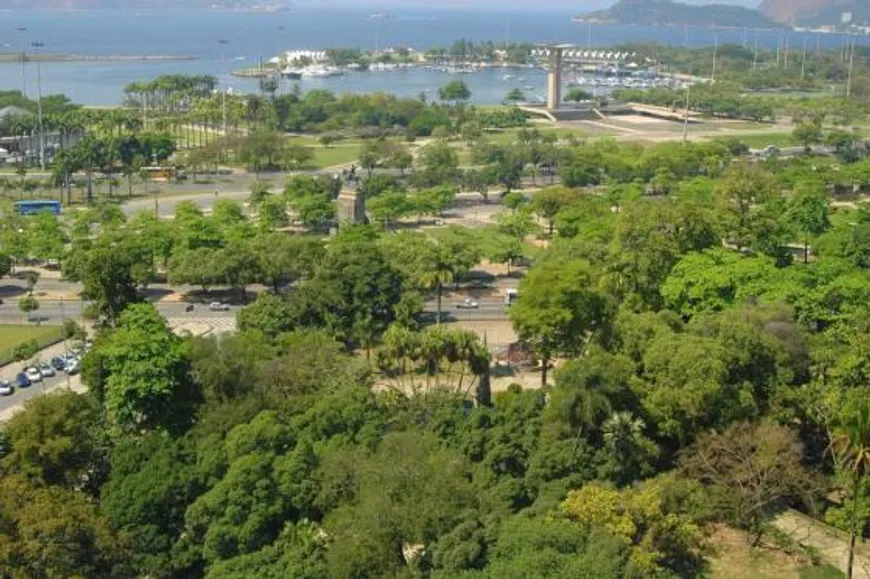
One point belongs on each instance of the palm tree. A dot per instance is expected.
(439, 269)
(623, 437)
(850, 446)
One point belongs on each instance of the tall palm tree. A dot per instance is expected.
(850, 446)
(439, 269)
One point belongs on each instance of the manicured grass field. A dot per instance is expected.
(340, 154)
(11, 336)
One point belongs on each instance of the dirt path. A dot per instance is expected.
(829, 543)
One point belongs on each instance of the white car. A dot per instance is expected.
(6, 388)
(46, 370)
(73, 367)
(33, 374)
(467, 304)
(219, 307)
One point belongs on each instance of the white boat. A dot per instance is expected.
(320, 72)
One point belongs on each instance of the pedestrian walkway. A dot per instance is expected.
(831, 544)
(202, 326)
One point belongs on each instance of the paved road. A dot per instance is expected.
(54, 311)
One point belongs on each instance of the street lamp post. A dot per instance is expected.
(223, 43)
(22, 30)
(37, 46)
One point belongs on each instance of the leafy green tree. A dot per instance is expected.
(808, 133)
(6, 264)
(260, 191)
(559, 310)
(51, 531)
(261, 149)
(46, 238)
(146, 373)
(244, 510)
(28, 305)
(741, 195)
(537, 548)
(418, 497)
(298, 552)
(808, 211)
(108, 283)
(575, 95)
(273, 214)
(438, 165)
(548, 202)
(369, 157)
(59, 440)
(270, 314)
(153, 479)
(518, 224)
(389, 207)
(352, 294)
(455, 91)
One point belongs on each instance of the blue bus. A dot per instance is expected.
(39, 206)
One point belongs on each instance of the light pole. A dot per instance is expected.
(22, 30)
(36, 46)
(223, 43)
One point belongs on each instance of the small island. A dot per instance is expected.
(670, 13)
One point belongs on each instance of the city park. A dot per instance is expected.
(682, 376)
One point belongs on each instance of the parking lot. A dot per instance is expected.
(15, 402)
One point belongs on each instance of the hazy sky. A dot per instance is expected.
(566, 5)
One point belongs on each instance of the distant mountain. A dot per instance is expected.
(146, 4)
(668, 12)
(816, 12)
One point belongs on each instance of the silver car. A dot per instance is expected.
(46, 370)
(6, 388)
(33, 374)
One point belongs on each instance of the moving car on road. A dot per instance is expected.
(33, 374)
(219, 307)
(6, 388)
(467, 304)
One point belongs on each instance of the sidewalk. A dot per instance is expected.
(831, 545)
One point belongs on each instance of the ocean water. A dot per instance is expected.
(252, 36)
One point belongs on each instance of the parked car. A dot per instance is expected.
(58, 363)
(33, 374)
(73, 367)
(467, 304)
(6, 388)
(46, 370)
(21, 380)
(219, 307)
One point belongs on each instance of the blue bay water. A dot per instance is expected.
(252, 36)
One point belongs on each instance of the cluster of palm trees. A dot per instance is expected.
(169, 94)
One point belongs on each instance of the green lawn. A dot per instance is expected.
(337, 155)
(762, 140)
(11, 336)
(821, 572)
